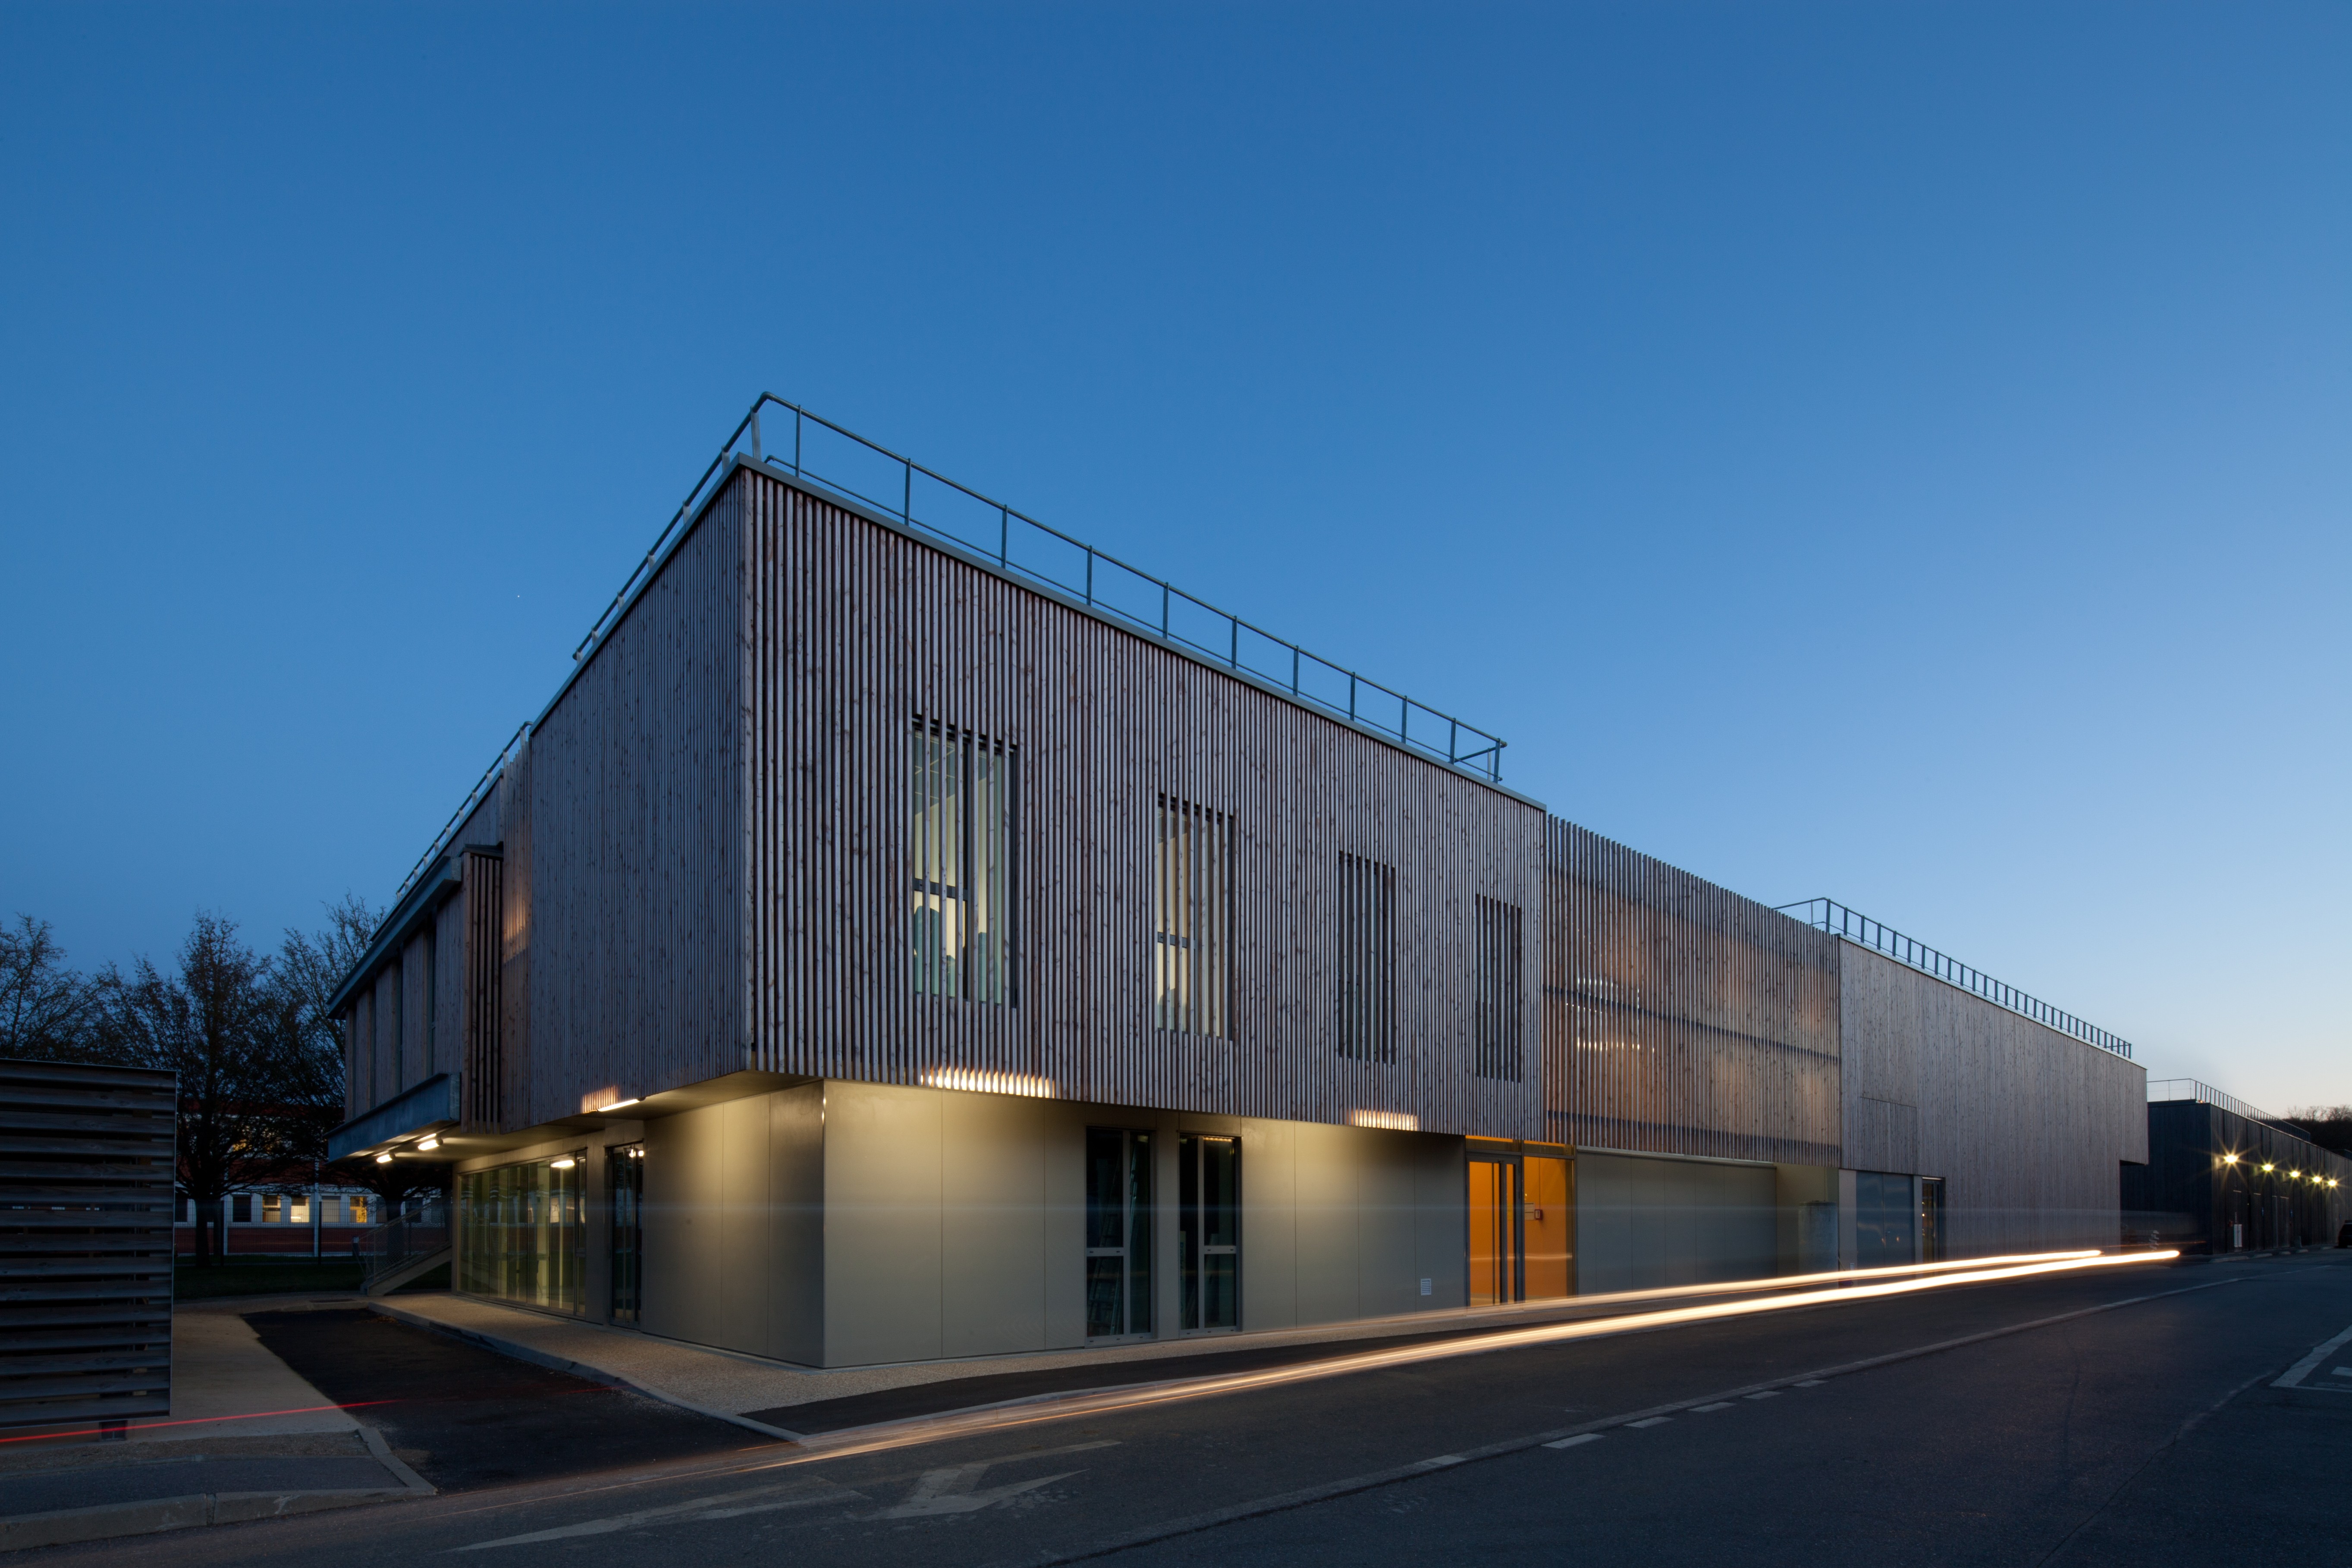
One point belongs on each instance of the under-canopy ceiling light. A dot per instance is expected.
(565, 1164)
(423, 1144)
(384, 1159)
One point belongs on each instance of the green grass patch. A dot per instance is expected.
(264, 1277)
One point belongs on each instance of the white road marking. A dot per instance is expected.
(1441, 1461)
(2302, 1369)
(1811, 1383)
(800, 1493)
(1763, 1393)
(1652, 1421)
(1718, 1405)
(1572, 1442)
(2344, 1371)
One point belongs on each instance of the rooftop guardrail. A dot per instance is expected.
(1827, 914)
(2205, 1093)
(791, 440)
(840, 460)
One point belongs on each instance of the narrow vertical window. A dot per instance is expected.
(1495, 990)
(1367, 922)
(1191, 905)
(960, 940)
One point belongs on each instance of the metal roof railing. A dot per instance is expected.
(2206, 1094)
(789, 439)
(1827, 914)
(456, 820)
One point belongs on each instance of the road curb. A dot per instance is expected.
(150, 1516)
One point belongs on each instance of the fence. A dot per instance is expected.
(1826, 914)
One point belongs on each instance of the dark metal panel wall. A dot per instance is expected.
(1679, 1018)
(86, 1173)
(857, 632)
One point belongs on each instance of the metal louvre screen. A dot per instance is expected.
(1366, 960)
(1192, 913)
(86, 1206)
(961, 830)
(1496, 992)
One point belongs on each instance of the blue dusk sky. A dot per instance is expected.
(1896, 452)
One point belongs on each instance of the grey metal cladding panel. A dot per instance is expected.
(86, 1262)
(632, 840)
(856, 631)
(2027, 1127)
(1680, 1017)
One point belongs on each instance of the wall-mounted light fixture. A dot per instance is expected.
(1388, 1121)
(974, 1082)
(2229, 1158)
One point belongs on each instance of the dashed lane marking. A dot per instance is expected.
(1652, 1421)
(1718, 1405)
(1572, 1442)
(1763, 1393)
(1306, 1497)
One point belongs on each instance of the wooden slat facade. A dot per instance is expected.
(85, 1202)
(1680, 1018)
(2029, 1128)
(855, 632)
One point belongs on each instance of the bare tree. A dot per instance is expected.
(224, 1023)
(47, 1012)
(2330, 1126)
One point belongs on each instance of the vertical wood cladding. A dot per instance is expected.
(2027, 1127)
(1679, 1018)
(853, 632)
(623, 873)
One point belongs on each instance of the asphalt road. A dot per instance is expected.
(2122, 1417)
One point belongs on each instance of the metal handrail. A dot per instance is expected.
(441, 840)
(381, 1248)
(1827, 914)
(1022, 547)
(2191, 1088)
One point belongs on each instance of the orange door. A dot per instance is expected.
(1494, 1232)
(1549, 1216)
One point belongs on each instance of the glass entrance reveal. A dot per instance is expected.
(627, 1165)
(521, 1233)
(1209, 1227)
(1118, 1233)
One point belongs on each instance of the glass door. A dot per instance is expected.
(1931, 1219)
(626, 1165)
(1209, 1227)
(1495, 1234)
(1119, 1234)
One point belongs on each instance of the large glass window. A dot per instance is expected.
(1367, 925)
(1192, 918)
(522, 1233)
(1209, 1226)
(961, 827)
(1118, 1233)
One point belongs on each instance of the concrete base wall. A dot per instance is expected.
(1643, 1223)
(844, 1224)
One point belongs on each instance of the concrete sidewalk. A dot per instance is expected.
(246, 1438)
(761, 1395)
